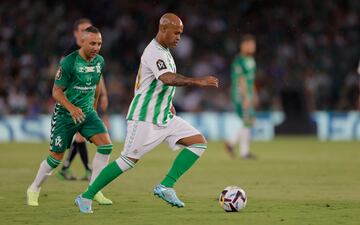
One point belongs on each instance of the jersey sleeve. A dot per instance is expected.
(158, 63)
(102, 68)
(238, 68)
(102, 65)
(62, 76)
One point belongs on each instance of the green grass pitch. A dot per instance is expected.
(298, 181)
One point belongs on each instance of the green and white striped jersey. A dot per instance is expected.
(152, 98)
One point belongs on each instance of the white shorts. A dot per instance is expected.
(142, 137)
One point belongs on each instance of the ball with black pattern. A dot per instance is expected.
(232, 199)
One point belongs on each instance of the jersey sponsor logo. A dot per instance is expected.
(85, 88)
(160, 64)
(87, 69)
(58, 74)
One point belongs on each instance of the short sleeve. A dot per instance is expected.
(158, 63)
(103, 67)
(102, 64)
(62, 76)
(238, 68)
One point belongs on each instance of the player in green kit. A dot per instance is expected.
(79, 143)
(243, 95)
(76, 91)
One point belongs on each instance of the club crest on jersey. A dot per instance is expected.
(160, 64)
(98, 68)
(58, 74)
(58, 141)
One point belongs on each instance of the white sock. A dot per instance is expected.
(99, 162)
(235, 138)
(42, 174)
(245, 141)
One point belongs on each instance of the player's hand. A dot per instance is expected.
(77, 115)
(172, 110)
(208, 81)
(104, 103)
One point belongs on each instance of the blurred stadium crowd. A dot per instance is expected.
(306, 47)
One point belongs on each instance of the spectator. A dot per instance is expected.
(293, 38)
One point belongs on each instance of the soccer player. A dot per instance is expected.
(151, 118)
(79, 145)
(243, 95)
(76, 91)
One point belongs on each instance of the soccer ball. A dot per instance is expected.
(232, 199)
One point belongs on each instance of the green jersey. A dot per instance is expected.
(242, 66)
(79, 79)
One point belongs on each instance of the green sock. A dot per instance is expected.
(182, 163)
(108, 174)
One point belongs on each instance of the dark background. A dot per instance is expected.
(308, 51)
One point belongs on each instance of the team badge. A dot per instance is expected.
(58, 141)
(160, 64)
(58, 74)
(98, 68)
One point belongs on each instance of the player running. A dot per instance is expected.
(151, 118)
(243, 95)
(79, 144)
(76, 90)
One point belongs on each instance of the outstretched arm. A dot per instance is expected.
(174, 79)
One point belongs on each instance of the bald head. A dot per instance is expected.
(170, 29)
(170, 19)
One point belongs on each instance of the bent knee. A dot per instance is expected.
(203, 141)
(125, 163)
(57, 155)
(54, 159)
(198, 148)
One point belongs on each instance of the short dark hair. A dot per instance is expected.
(81, 21)
(92, 29)
(247, 37)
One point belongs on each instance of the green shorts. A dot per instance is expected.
(63, 129)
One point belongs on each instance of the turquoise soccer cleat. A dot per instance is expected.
(84, 204)
(168, 195)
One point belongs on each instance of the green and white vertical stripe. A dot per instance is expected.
(154, 105)
(153, 99)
